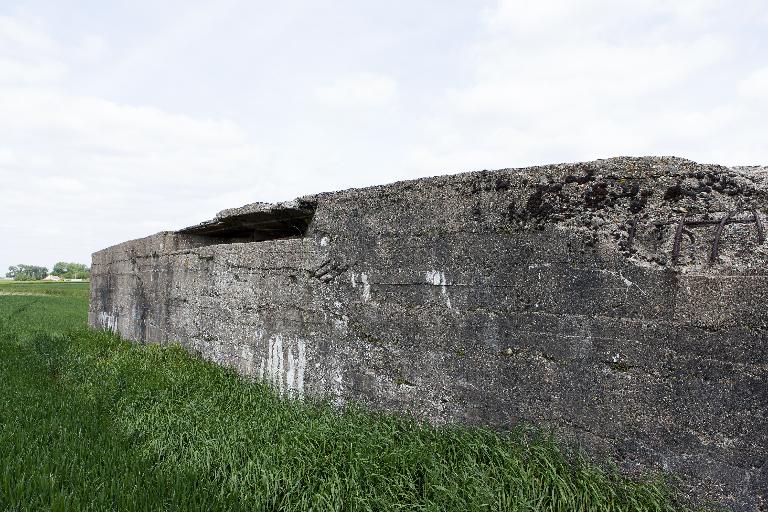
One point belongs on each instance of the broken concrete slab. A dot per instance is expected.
(257, 222)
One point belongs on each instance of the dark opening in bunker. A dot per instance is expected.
(256, 223)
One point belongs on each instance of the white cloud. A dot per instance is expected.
(555, 19)
(15, 33)
(755, 85)
(13, 72)
(572, 80)
(106, 126)
(359, 90)
(73, 164)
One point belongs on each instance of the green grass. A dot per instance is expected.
(90, 422)
(73, 290)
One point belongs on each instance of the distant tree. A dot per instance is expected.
(67, 270)
(27, 273)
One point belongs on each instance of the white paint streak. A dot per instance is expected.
(338, 387)
(108, 322)
(301, 365)
(276, 361)
(285, 365)
(437, 278)
(366, 287)
(247, 358)
(290, 370)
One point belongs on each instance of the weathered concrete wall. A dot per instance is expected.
(569, 296)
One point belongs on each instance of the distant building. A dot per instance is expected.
(52, 278)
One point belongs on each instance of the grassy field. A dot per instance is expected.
(90, 422)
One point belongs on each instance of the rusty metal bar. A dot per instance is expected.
(700, 223)
(759, 225)
(718, 234)
(715, 222)
(678, 241)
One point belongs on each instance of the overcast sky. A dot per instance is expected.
(119, 119)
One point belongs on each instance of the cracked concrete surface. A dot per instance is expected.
(579, 297)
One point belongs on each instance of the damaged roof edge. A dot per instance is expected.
(263, 220)
(276, 220)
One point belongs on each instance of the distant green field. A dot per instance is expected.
(32, 288)
(90, 422)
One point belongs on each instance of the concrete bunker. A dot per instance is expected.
(620, 302)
